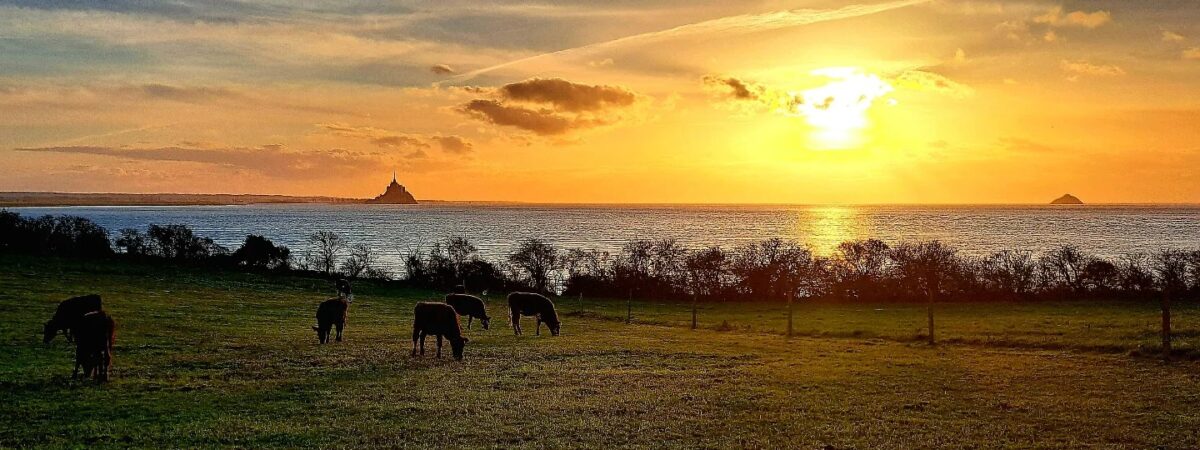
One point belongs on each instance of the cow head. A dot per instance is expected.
(49, 330)
(457, 346)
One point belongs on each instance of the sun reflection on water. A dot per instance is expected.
(824, 227)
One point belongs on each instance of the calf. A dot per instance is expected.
(536, 305)
(95, 334)
(331, 313)
(343, 289)
(67, 316)
(470, 306)
(441, 320)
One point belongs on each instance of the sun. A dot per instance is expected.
(837, 110)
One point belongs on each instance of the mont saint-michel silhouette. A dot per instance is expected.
(395, 194)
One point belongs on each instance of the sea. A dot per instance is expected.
(395, 230)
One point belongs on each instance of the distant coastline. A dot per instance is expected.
(63, 199)
(28, 199)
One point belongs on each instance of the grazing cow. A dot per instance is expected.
(343, 289)
(67, 315)
(331, 313)
(536, 305)
(441, 320)
(470, 306)
(95, 334)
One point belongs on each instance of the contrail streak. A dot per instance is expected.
(747, 23)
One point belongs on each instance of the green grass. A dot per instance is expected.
(214, 359)
(1101, 325)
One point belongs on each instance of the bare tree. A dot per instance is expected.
(1170, 270)
(536, 259)
(362, 261)
(923, 268)
(326, 248)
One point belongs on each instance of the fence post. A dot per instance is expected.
(789, 314)
(1166, 322)
(629, 308)
(693, 310)
(929, 309)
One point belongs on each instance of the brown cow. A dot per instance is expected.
(441, 320)
(470, 306)
(536, 305)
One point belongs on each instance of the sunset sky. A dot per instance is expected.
(619, 101)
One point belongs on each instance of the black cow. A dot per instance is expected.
(331, 313)
(95, 335)
(470, 306)
(67, 315)
(441, 320)
(536, 305)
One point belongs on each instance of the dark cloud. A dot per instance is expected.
(739, 89)
(567, 96)
(454, 144)
(272, 159)
(538, 121)
(398, 140)
(551, 106)
(180, 94)
(441, 69)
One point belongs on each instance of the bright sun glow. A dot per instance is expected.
(837, 111)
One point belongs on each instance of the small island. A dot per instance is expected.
(1067, 199)
(396, 194)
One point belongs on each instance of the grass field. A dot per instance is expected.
(213, 359)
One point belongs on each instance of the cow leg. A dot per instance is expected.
(340, 325)
(539, 327)
(78, 362)
(416, 335)
(422, 343)
(102, 369)
(516, 323)
(439, 338)
(69, 336)
(469, 318)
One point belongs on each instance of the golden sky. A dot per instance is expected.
(770, 101)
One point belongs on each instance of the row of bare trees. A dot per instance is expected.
(776, 269)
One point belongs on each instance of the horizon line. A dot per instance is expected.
(611, 203)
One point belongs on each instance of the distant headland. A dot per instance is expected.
(27, 199)
(1067, 199)
(395, 194)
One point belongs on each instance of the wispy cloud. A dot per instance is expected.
(416, 144)
(740, 24)
(272, 160)
(1087, 68)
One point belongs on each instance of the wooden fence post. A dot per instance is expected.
(929, 310)
(629, 308)
(693, 310)
(789, 315)
(1166, 322)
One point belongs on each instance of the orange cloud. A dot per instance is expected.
(1087, 68)
(1079, 19)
